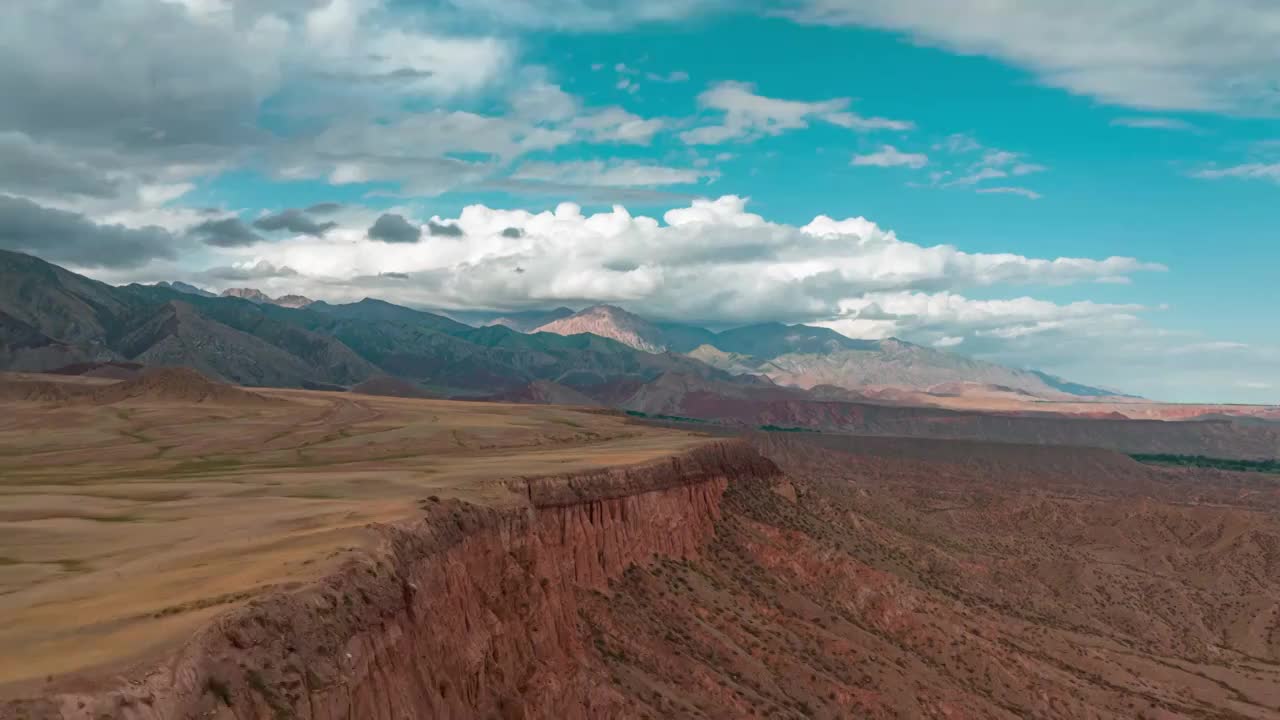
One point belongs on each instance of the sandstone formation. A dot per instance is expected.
(465, 612)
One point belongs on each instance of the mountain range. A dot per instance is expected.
(51, 317)
(53, 320)
(805, 356)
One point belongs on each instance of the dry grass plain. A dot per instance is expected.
(126, 523)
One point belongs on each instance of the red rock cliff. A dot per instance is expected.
(467, 612)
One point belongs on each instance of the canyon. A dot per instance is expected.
(410, 558)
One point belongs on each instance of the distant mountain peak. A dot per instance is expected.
(255, 295)
(612, 322)
(187, 288)
(529, 320)
(251, 294)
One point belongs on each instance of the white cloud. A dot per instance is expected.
(977, 176)
(958, 143)
(541, 101)
(614, 124)
(882, 314)
(346, 40)
(748, 115)
(710, 261)
(889, 156)
(1154, 123)
(1150, 54)
(991, 164)
(676, 76)
(1247, 171)
(1024, 192)
(580, 14)
(597, 173)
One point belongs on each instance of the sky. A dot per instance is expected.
(1085, 187)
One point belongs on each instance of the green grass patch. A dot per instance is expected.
(205, 465)
(780, 428)
(1262, 466)
(669, 418)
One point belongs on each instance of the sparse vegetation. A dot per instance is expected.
(219, 689)
(779, 428)
(1262, 466)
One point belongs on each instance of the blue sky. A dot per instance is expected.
(1001, 179)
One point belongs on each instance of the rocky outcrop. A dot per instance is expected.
(465, 612)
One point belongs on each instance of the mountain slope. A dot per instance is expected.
(530, 320)
(185, 288)
(611, 322)
(806, 356)
(51, 318)
(63, 305)
(254, 295)
(897, 364)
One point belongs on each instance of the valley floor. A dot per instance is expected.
(345, 556)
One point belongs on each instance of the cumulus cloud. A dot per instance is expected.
(950, 315)
(68, 237)
(246, 270)
(294, 221)
(749, 115)
(440, 229)
(348, 40)
(889, 156)
(1154, 54)
(711, 261)
(394, 228)
(229, 232)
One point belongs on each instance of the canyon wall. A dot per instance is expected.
(465, 612)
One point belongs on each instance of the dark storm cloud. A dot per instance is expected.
(295, 221)
(225, 233)
(324, 208)
(394, 275)
(444, 230)
(29, 167)
(155, 91)
(393, 228)
(68, 237)
(513, 232)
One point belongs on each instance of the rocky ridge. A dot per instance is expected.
(464, 612)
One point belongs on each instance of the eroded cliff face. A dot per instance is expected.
(466, 612)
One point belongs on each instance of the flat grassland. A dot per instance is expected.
(129, 518)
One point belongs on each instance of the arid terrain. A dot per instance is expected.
(128, 521)
(176, 548)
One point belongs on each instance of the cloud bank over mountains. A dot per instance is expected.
(110, 144)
